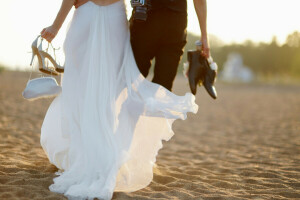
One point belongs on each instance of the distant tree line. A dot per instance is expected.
(265, 59)
(2, 68)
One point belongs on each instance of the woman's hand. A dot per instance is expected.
(49, 33)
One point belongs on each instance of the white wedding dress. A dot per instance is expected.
(105, 129)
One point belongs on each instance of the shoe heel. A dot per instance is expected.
(34, 49)
(32, 59)
(42, 66)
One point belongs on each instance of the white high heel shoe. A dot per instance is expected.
(37, 51)
(45, 54)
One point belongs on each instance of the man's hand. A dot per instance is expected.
(205, 47)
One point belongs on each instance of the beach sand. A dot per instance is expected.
(244, 145)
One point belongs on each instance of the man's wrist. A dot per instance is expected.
(203, 36)
(198, 43)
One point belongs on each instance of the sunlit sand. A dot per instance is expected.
(245, 145)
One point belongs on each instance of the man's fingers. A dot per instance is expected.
(204, 54)
(205, 50)
(207, 53)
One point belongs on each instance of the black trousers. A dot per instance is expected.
(163, 37)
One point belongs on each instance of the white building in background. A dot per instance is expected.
(234, 70)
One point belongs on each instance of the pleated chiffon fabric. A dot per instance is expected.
(106, 127)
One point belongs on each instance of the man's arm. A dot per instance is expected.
(50, 32)
(201, 10)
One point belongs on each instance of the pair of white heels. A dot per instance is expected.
(41, 55)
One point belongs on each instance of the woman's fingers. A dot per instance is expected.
(42, 32)
(48, 33)
(49, 36)
(45, 35)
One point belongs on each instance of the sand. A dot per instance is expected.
(245, 145)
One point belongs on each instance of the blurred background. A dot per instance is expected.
(251, 40)
(244, 145)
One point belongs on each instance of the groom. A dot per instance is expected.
(158, 30)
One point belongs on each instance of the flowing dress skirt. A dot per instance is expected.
(105, 129)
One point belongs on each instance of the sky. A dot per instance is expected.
(231, 21)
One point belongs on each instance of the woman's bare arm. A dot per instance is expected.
(201, 10)
(50, 32)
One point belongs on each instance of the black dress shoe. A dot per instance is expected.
(200, 73)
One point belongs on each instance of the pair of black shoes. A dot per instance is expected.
(201, 73)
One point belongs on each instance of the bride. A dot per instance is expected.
(104, 130)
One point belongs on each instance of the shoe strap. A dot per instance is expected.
(54, 49)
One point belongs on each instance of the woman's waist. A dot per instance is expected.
(79, 3)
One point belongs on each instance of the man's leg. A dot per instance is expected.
(166, 64)
(171, 48)
(144, 39)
